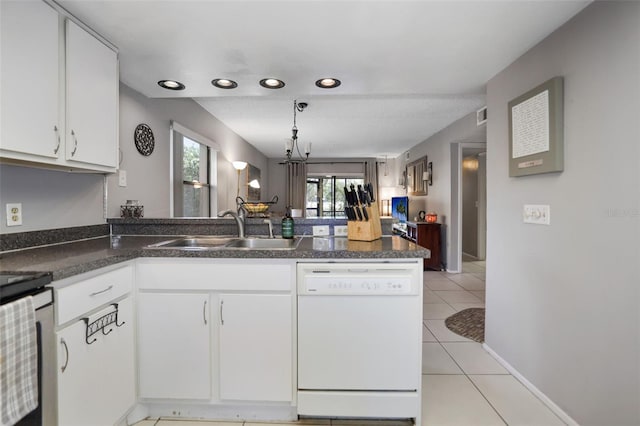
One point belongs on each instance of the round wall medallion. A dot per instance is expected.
(144, 139)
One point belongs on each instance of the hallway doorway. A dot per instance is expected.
(468, 181)
(474, 201)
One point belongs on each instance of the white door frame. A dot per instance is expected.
(455, 263)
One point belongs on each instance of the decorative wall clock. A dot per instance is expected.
(143, 137)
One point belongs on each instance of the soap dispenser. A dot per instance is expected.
(287, 224)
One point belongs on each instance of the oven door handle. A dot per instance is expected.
(66, 358)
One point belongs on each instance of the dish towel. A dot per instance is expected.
(18, 361)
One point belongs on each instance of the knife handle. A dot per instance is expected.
(370, 191)
(358, 213)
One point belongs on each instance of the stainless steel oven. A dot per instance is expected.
(14, 286)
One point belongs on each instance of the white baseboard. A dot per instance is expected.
(534, 390)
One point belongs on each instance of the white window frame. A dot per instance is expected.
(214, 148)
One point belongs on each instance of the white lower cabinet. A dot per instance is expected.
(255, 347)
(215, 333)
(96, 373)
(174, 345)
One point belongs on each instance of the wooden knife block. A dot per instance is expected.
(369, 230)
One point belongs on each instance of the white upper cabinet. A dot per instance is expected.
(57, 112)
(92, 99)
(30, 79)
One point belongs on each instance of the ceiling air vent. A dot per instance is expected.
(481, 116)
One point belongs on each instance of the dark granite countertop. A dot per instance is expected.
(72, 258)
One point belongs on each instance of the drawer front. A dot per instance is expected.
(84, 296)
(213, 275)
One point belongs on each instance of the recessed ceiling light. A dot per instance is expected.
(171, 85)
(272, 83)
(328, 83)
(223, 83)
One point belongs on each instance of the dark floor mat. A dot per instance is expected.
(468, 323)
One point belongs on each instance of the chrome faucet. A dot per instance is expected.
(268, 222)
(239, 217)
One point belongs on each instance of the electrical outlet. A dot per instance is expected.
(122, 178)
(14, 214)
(340, 231)
(539, 214)
(321, 230)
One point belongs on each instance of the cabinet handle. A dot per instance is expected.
(75, 143)
(66, 356)
(204, 312)
(55, 129)
(221, 311)
(101, 291)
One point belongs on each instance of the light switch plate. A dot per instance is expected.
(321, 230)
(340, 231)
(14, 214)
(539, 214)
(122, 178)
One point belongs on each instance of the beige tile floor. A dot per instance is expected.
(462, 384)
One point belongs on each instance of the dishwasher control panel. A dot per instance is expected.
(341, 279)
(358, 285)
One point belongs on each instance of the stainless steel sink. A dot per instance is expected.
(219, 243)
(194, 243)
(264, 243)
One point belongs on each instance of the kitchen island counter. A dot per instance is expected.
(73, 258)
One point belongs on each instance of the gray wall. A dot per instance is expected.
(438, 150)
(50, 199)
(148, 177)
(55, 199)
(563, 300)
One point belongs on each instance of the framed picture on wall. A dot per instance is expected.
(415, 172)
(536, 130)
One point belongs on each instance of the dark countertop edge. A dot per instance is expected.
(277, 254)
(32, 239)
(81, 268)
(213, 220)
(64, 268)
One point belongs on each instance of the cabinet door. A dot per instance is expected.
(29, 79)
(92, 99)
(96, 382)
(174, 346)
(429, 237)
(256, 347)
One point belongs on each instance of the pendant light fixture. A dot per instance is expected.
(292, 144)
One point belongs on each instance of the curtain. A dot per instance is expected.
(371, 176)
(297, 186)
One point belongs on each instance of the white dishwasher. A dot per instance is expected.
(360, 339)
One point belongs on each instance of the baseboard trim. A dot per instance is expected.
(537, 392)
(476, 258)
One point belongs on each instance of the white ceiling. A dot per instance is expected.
(408, 68)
